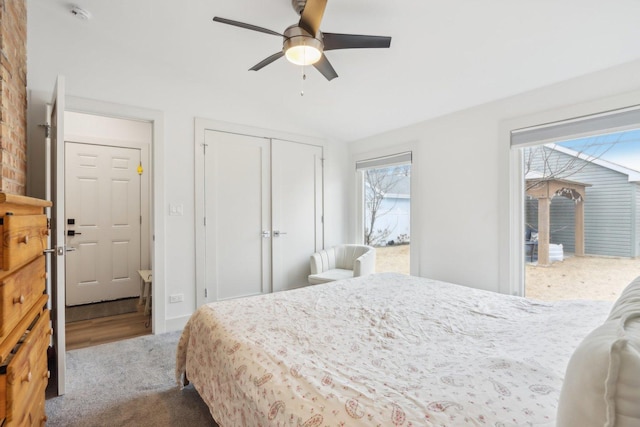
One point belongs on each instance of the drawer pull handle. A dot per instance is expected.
(19, 300)
(50, 331)
(27, 378)
(24, 239)
(44, 418)
(47, 375)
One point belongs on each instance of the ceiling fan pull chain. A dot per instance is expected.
(304, 77)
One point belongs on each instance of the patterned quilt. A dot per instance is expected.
(383, 350)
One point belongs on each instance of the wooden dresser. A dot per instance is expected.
(25, 327)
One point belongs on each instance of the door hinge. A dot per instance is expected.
(140, 219)
(205, 221)
(47, 129)
(204, 148)
(206, 294)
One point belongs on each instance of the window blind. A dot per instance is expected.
(385, 161)
(581, 126)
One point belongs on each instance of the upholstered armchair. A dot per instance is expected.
(342, 262)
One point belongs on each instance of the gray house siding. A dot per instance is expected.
(610, 222)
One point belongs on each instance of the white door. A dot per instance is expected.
(55, 193)
(263, 213)
(237, 212)
(102, 222)
(297, 211)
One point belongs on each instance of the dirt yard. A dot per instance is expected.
(588, 277)
(393, 258)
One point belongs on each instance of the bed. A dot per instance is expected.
(383, 350)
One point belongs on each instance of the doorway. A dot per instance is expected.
(153, 231)
(106, 227)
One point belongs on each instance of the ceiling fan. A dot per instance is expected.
(304, 43)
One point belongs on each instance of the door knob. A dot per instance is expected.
(266, 234)
(277, 233)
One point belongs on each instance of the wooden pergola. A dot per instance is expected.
(545, 190)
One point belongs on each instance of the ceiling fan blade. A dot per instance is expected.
(334, 41)
(312, 16)
(267, 61)
(325, 67)
(247, 26)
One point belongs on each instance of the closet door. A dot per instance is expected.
(297, 211)
(238, 215)
(263, 214)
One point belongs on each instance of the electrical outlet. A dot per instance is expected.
(176, 298)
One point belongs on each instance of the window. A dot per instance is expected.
(581, 207)
(386, 210)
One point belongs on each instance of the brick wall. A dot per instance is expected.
(13, 96)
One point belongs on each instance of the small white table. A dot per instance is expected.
(145, 289)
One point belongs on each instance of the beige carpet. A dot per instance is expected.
(127, 383)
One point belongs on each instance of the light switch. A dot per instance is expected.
(176, 210)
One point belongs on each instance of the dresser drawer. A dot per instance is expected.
(27, 373)
(23, 239)
(36, 415)
(19, 292)
(30, 410)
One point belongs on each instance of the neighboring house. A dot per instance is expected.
(611, 205)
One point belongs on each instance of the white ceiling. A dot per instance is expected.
(444, 56)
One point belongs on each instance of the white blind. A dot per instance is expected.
(609, 121)
(386, 161)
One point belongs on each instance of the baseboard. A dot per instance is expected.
(176, 323)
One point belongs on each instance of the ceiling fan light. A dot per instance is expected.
(303, 55)
(303, 50)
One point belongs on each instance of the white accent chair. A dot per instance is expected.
(342, 262)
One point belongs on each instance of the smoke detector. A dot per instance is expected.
(80, 13)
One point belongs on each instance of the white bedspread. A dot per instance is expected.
(383, 350)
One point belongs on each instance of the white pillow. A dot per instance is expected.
(602, 383)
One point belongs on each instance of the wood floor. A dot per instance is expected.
(86, 333)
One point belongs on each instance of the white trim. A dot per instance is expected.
(414, 223)
(156, 171)
(511, 200)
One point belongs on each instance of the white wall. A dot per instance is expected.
(464, 184)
